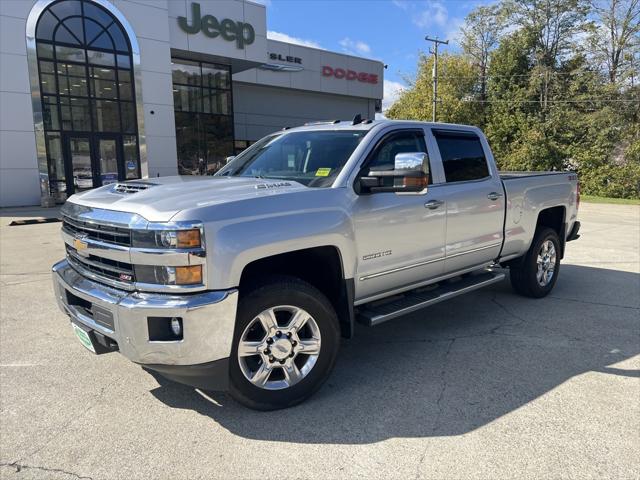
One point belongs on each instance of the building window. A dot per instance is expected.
(204, 116)
(88, 99)
(242, 145)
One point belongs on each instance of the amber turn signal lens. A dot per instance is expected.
(420, 182)
(188, 238)
(189, 275)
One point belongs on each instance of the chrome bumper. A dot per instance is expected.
(208, 319)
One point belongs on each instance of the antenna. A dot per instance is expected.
(357, 119)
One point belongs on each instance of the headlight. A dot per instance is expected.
(166, 238)
(191, 275)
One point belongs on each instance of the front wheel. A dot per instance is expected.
(285, 344)
(537, 273)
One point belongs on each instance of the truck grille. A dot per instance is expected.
(104, 267)
(94, 231)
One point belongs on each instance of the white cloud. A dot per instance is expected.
(266, 3)
(435, 14)
(403, 4)
(354, 46)
(454, 32)
(283, 37)
(391, 93)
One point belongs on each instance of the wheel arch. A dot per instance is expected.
(555, 219)
(320, 266)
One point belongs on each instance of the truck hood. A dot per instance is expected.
(160, 199)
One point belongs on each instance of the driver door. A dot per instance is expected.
(400, 237)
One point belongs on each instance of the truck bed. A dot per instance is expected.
(512, 175)
(528, 193)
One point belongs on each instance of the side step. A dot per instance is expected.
(380, 311)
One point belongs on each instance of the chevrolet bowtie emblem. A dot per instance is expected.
(79, 243)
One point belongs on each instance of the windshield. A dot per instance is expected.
(313, 158)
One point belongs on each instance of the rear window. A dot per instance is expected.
(462, 156)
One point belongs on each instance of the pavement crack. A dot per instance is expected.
(443, 375)
(594, 303)
(62, 428)
(519, 319)
(443, 388)
(19, 467)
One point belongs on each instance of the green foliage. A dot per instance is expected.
(544, 100)
(456, 81)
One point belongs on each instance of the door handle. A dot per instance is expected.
(433, 204)
(494, 196)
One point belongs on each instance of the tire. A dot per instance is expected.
(524, 276)
(264, 381)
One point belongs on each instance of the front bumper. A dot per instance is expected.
(208, 321)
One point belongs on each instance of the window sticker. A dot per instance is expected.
(323, 172)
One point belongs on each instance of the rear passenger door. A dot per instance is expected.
(473, 195)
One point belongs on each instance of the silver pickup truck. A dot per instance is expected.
(245, 281)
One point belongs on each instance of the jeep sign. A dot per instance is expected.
(229, 30)
(341, 73)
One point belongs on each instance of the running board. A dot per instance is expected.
(380, 311)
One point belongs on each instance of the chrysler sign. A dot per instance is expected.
(229, 30)
(341, 73)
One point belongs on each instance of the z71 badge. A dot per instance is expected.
(376, 255)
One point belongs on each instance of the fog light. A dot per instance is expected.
(176, 327)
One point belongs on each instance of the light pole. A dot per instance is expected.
(434, 52)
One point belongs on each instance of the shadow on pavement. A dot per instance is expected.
(454, 367)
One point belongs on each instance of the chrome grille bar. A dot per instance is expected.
(117, 235)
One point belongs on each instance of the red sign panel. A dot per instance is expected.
(341, 73)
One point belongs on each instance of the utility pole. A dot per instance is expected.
(434, 52)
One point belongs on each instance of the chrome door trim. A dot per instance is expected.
(424, 283)
(420, 264)
(474, 250)
(400, 269)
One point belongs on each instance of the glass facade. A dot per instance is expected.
(88, 99)
(204, 116)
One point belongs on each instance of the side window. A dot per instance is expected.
(462, 156)
(383, 157)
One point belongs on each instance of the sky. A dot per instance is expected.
(392, 31)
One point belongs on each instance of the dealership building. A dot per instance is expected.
(98, 91)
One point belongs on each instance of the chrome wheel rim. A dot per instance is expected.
(279, 347)
(546, 263)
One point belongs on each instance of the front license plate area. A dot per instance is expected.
(84, 335)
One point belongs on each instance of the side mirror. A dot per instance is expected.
(410, 174)
(228, 159)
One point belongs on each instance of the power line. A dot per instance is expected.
(435, 42)
(592, 100)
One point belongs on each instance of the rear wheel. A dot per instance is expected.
(537, 273)
(285, 344)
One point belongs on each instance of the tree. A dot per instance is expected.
(615, 37)
(555, 25)
(456, 87)
(480, 35)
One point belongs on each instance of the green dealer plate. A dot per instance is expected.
(83, 337)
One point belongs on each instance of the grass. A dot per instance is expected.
(618, 201)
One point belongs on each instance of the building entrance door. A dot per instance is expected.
(92, 161)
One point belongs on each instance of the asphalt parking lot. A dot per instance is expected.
(489, 385)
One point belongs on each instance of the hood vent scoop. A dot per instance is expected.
(130, 187)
